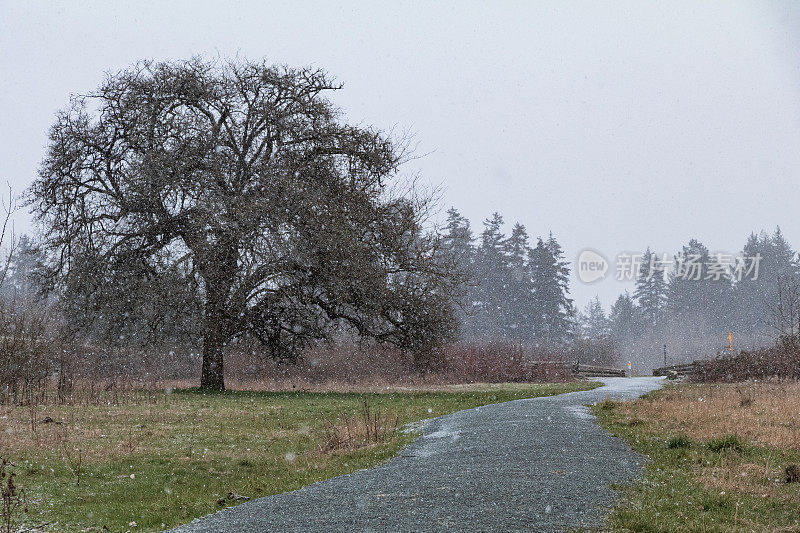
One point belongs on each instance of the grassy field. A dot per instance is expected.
(154, 460)
(718, 458)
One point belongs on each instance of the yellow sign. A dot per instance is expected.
(730, 341)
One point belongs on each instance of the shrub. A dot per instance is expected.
(792, 473)
(728, 442)
(499, 362)
(780, 361)
(606, 405)
(367, 363)
(746, 400)
(678, 441)
(366, 428)
(11, 497)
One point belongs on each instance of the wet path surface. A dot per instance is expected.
(539, 464)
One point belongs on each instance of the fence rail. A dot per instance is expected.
(592, 371)
(677, 370)
(584, 371)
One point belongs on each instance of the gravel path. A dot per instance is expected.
(539, 464)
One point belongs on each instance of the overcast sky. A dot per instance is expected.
(616, 125)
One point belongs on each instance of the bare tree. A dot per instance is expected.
(25, 320)
(242, 180)
(784, 314)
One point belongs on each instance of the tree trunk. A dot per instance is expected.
(218, 270)
(214, 338)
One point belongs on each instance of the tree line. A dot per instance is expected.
(693, 310)
(513, 290)
(690, 301)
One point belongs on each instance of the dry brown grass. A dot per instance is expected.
(733, 475)
(104, 429)
(368, 427)
(121, 377)
(721, 458)
(762, 413)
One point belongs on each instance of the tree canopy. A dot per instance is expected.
(241, 183)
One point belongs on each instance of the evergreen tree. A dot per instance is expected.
(553, 310)
(595, 325)
(490, 310)
(756, 288)
(519, 298)
(650, 293)
(561, 267)
(594, 343)
(699, 290)
(623, 319)
(782, 259)
(458, 239)
(515, 292)
(493, 240)
(516, 248)
(718, 283)
(458, 242)
(24, 263)
(683, 295)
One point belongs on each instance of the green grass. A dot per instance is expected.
(723, 484)
(678, 441)
(726, 442)
(170, 459)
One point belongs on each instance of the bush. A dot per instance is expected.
(499, 362)
(366, 428)
(781, 361)
(792, 473)
(352, 363)
(678, 441)
(728, 442)
(606, 405)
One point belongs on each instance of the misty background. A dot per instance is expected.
(617, 125)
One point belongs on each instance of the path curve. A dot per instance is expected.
(538, 464)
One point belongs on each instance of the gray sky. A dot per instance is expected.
(616, 125)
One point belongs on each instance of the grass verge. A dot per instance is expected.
(720, 458)
(170, 457)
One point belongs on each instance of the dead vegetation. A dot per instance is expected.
(792, 473)
(721, 457)
(73, 374)
(367, 427)
(12, 498)
(778, 362)
(762, 413)
(750, 426)
(342, 366)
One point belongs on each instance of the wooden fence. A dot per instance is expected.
(591, 371)
(674, 371)
(583, 371)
